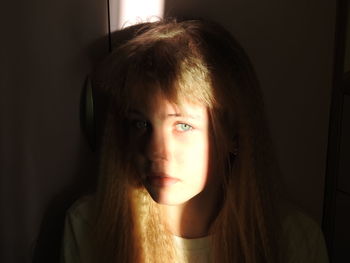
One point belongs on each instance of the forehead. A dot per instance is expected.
(160, 105)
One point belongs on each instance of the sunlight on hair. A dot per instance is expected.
(128, 12)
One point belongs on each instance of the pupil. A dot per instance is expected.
(141, 124)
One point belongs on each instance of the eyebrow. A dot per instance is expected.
(170, 115)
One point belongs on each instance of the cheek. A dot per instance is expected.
(194, 156)
(137, 142)
(136, 157)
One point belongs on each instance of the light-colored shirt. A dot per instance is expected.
(305, 242)
(194, 250)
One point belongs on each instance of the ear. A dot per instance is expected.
(233, 145)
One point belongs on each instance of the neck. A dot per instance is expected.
(193, 218)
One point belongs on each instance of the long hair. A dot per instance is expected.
(202, 61)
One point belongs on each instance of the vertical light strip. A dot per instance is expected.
(135, 11)
(114, 7)
(109, 27)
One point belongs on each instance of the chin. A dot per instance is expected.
(163, 198)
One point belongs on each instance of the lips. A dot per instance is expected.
(161, 180)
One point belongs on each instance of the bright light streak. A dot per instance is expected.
(130, 12)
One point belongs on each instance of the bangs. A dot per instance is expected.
(178, 75)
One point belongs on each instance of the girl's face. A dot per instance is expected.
(171, 150)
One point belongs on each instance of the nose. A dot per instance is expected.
(157, 146)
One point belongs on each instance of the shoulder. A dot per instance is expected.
(82, 210)
(303, 238)
(78, 227)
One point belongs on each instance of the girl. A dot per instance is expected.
(187, 171)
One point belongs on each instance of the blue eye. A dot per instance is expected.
(139, 124)
(183, 127)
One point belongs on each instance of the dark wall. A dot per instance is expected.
(47, 49)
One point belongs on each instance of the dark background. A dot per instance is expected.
(49, 47)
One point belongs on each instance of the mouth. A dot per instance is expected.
(161, 180)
